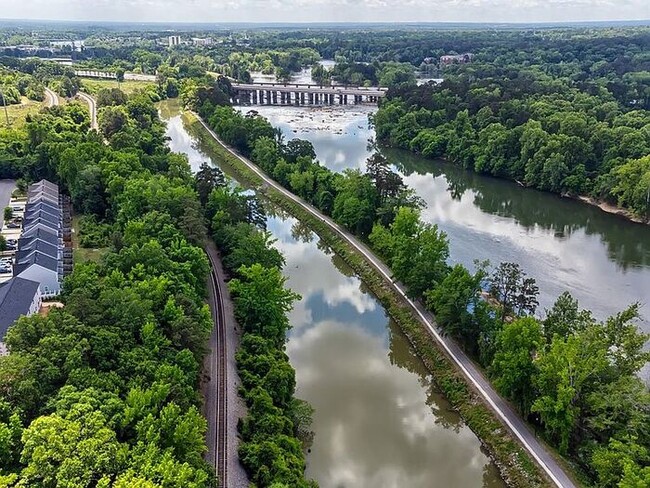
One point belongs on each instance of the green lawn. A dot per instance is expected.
(18, 113)
(93, 86)
(82, 254)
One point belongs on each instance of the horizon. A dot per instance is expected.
(291, 12)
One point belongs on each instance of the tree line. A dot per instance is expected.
(529, 128)
(104, 392)
(573, 377)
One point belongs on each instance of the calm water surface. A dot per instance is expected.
(603, 260)
(379, 421)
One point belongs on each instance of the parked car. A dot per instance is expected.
(13, 225)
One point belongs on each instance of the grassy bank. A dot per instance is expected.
(515, 465)
(93, 86)
(18, 113)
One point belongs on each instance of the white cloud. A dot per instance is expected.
(327, 10)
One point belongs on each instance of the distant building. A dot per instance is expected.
(456, 59)
(202, 41)
(73, 45)
(18, 297)
(174, 41)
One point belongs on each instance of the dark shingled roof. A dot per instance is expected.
(25, 248)
(36, 257)
(51, 237)
(16, 295)
(44, 184)
(28, 230)
(42, 216)
(44, 205)
(39, 196)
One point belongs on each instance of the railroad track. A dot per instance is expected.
(220, 381)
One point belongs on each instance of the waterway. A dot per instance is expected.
(602, 259)
(379, 421)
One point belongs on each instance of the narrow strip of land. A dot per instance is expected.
(464, 364)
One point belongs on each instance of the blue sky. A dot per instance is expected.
(328, 10)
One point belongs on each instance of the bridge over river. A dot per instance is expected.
(296, 94)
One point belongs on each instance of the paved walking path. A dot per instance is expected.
(473, 375)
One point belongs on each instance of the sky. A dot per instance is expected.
(327, 10)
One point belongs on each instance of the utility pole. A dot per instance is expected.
(2, 95)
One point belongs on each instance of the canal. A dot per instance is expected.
(379, 421)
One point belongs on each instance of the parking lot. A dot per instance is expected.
(10, 230)
(6, 187)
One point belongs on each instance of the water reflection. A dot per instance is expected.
(379, 421)
(628, 244)
(603, 260)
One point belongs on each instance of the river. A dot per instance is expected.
(602, 259)
(379, 421)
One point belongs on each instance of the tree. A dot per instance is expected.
(261, 302)
(512, 367)
(107, 97)
(565, 371)
(614, 461)
(416, 252)
(119, 75)
(454, 301)
(73, 451)
(515, 293)
(3, 243)
(206, 179)
(113, 120)
(565, 318)
(297, 148)
(632, 186)
(8, 214)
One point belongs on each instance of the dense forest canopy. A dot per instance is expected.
(116, 372)
(566, 372)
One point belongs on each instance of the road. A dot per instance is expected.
(92, 107)
(52, 98)
(464, 364)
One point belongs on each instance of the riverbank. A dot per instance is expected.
(610, 209)
(603, 206)
(516, 466)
